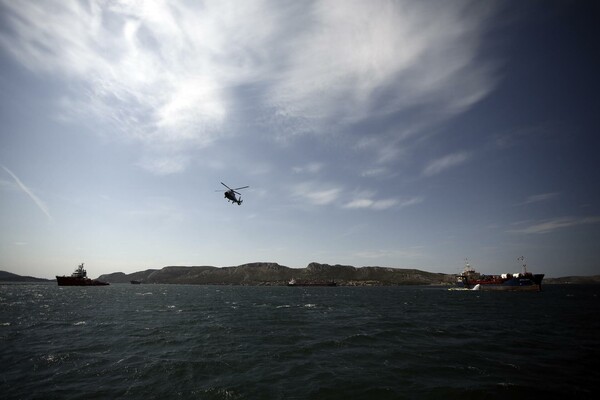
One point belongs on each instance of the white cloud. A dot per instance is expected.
(441, 164)
(159, 72)
(358, 53)
(552, 225)
(170, 73)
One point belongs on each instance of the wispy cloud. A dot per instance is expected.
(176, 74)
(161, 73)
(370, 203)
(373, 172)
(519, 135)
(321, 193)
(355, 54)
(540, 197)
(441, 164)
(316, 193)
(39, 203)
(383, 204)
(310, 168)
(552, 225)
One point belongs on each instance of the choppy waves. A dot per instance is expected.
(211, 342)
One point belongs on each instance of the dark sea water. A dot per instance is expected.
(228, 342)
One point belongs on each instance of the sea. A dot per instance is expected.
(243, 342)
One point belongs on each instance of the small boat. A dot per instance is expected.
(294, 282)
(79, 278)
(523, 281)
(136, 282)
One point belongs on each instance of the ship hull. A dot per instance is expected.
(75, 281)
(532, 283)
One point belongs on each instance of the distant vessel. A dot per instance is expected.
(524, 281)
(79, 278)
(136, 282)
(294, 282)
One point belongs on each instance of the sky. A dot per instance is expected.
(407, 134)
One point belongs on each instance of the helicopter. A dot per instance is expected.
(230, 194)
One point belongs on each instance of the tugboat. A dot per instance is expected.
(524, 281)
(79, 278)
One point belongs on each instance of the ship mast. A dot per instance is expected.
(467, 266)
(522, 259)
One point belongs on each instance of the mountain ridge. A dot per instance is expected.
(270, 273)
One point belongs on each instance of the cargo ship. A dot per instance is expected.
(294, 282)
(79, 278)
(523, 281)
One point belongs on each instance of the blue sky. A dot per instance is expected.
(403, 134)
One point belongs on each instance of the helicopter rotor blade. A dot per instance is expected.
(225, 186)
(243, 187)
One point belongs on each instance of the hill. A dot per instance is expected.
(267, 273)
(10, 277)
(575, 280)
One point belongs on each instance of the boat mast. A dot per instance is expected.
(522, 259)
(467, 266)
